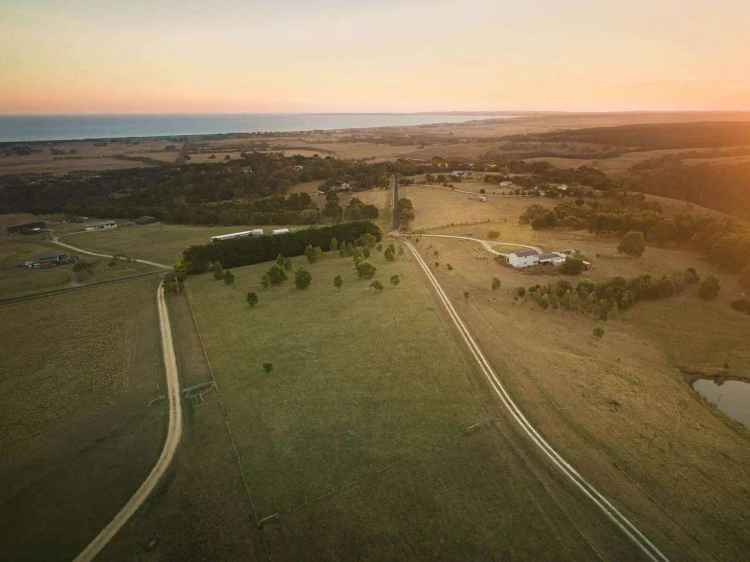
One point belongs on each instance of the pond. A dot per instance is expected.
(731, 397)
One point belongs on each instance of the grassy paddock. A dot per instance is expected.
(159, 242)
(358, 437)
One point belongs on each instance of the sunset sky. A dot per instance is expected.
(76, 56)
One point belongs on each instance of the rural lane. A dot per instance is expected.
(174, 430)
(642, 542)
(55, 240)
(486, 244)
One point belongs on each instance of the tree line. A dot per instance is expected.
(252, 250)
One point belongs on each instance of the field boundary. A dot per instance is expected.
(64, 290)
(225, 415)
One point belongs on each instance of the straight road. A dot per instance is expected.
(646, 548)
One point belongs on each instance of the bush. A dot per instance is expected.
(632, 244)
(598, 332)
(390, 253)
(365, 270)
(302, 279)
(741, 305)
(252, 299)
(338, 281)
(572, 266)
(228, 278)
(268, 367)
(395, 280)
(377, 285)
(709, 288)
(493, 235)
(276, 275)
(496, 283)
(218, 272)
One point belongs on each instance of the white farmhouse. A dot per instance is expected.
(552, 258)
(522, 259)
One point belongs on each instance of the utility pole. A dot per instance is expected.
(396, 214)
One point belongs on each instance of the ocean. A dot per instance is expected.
(73, 127)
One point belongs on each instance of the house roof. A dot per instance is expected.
(524, 253)
(549, 256)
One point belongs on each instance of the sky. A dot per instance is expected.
(105, 56)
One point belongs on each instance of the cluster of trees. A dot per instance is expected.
(601, 299)
(247, 190)
(724, 242)
(247, 251)
(723, 187)
(540, 172)
(406, 212)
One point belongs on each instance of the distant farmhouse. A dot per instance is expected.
(105, 225)
(27, 228)
(49, 260)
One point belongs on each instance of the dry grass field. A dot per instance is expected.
(77, 433)
(621, 406)
(358, 437)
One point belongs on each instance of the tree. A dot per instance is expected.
(598, 332)
(405, 211)
(218, 271)
(334, 245)
(276, 275)
(496, 283)
(377, 285)
(709, 288)
(228, 277)
(632, 244)
(395, 280)
(572, 266)
(268, 367)
(311, 254)
(390, 254)
(466, 295)
(252, 299)
(493, 235)
(365, 270)
(338, 281)
(302, 279)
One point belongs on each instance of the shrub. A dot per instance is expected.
(395, 280)
(598, 332)
(252, 299)
(218, 272)
(276, 275)
(741, 305)
(228, 277)
(496, 283)
(390, 254)
(572, 266)
(691, 276)
(377, 285)
(338, 281)
(302, 279)
(334, 245)
(493, 235)
(268, 367)
(709, 288)
(311, 254)
(365, 270)
(632, 244)
(520, 292)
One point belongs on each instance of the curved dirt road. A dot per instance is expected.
(647, 548)
(174, 431)
(486, 244)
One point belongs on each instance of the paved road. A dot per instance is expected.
(487, 244)
(646, 547)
